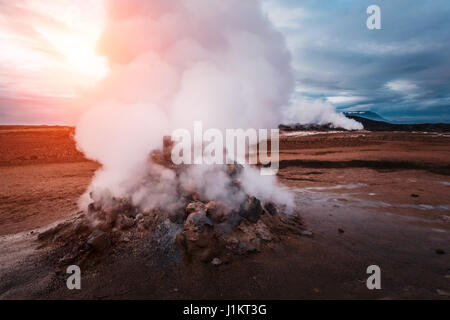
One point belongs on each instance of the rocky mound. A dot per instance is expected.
(204, 230)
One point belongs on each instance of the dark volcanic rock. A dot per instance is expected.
(201, 229)
(251, 209)
(198, 241)
(99, 241)
(271, 208)
(197, 220)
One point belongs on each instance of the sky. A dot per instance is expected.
(49, 58)
(401, 71)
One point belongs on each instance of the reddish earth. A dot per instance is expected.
(369, 198)
(43, 175)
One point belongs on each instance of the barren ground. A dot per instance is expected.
(369, 198)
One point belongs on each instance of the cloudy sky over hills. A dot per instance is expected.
(401, 71)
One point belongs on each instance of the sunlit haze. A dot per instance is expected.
(49, 55)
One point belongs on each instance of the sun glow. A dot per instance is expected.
(79, 50)
(52, 52)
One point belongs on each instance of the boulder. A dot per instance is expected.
(198, 240)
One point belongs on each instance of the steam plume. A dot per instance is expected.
(309, 111)
(174, 62)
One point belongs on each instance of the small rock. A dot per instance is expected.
(246, 247)
(263, 232)
(124, 222)
(125, 239)
(215, 211)
(197, 220)
(442, 292)
(216, 262)
(270, 208)
(440, 251)
(146, 213)
(341, 230)
(306, 233)
(99, 241)
(67, 258)
(195, 206)
(133, 213)
(232, 242)
(139, 217)
(414, 195)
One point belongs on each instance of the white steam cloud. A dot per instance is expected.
(309, 111)
(174, 62)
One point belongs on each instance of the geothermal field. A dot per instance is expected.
(224, 150)
(359, 198)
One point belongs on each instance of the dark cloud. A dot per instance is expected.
(401, 71)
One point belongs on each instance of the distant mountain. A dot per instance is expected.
(365, 114)
(372, 125)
